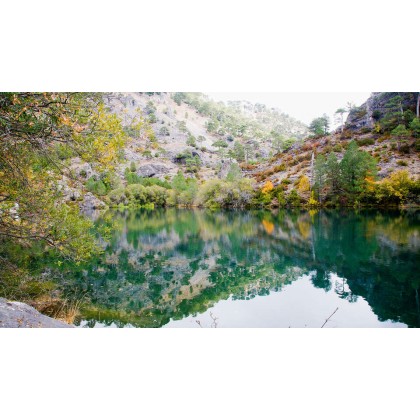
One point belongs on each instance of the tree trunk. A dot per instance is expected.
(418, 105)
(312, 169)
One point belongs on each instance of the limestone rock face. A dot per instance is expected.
(21, 315)
(152, 170)
(90, 202)
(376, 107)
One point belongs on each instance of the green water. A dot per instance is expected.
(197, 268)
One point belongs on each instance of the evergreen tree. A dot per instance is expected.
(356, 166)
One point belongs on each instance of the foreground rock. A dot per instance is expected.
(21, 315)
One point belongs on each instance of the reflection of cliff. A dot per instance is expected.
(173, 263)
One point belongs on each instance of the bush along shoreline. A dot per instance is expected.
(350, 182)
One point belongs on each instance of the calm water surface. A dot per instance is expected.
(198, 268)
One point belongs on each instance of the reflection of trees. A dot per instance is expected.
(173, 263)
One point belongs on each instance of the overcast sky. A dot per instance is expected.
(302, 106)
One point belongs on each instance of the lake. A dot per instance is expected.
(202, 268)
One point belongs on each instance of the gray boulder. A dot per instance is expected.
(21, 315)
(152, 169)
(90, 202)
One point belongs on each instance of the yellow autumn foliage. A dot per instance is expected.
(268, 187)
(304, 184)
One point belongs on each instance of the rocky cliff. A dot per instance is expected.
(375, 108)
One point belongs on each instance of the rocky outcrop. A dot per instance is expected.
(21, 315)
(90, 202)
(153, 169)
(375, 108)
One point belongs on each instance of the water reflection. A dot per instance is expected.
(165, 266)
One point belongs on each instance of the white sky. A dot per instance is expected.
(302, 106)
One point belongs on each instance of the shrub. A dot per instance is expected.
(217, 193)
(402, 163)
(415, 127)
(96, 186)
(293, 199)
(303, 185)
(118, 196)
(191, 141)
(64, 152)
(365, 142)
(396, 188)
(164, 131)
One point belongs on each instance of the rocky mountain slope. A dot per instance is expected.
(369, 125)
(202, 138)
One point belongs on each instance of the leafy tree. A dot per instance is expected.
(303, 185)
(340, 112)
(164, 131)
(31, 125)
(182, 126)
(415, 127)
(333, 173)
(320, 126)
(191, 141)
(267, 188)
(356, 166)
(400, 133)
(152, 118)
(293, 199)
(178, 97)
(220, 144)
(238, 152)
(234, 173)
(396, 188)
(394, 114)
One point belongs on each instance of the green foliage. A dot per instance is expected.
(320, 126)
(234, 174)
(152, 118)
(38, 131)
(218, 194)
(164, 131)
(238, 152)
(96, 186)
(347, 178)
(220, 144)
(355, 167)
(133, 167)
(136, 195)
(293, 199)
(191, 141)
(178, 97)
(281, 198)
(64, 151)
(133, 178)
(415, 127)
(182, 126)
(365, 142)
(184, 190)
(395, 189)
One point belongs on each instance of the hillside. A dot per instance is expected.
(193, 124)
(372, 125)
(188, 133)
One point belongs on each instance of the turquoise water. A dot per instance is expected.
(198, 268)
